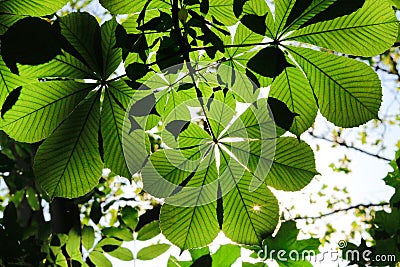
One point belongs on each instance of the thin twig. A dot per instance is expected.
(359, 206)
(344, 144)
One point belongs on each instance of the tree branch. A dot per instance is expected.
(359, 206)
(344, 144)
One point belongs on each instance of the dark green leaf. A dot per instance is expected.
(196, 253)
(109, 248)
(129, 216)
(238, 7)
(185, 86)
(281, 114)
(10, 101)
(255, 23)
(160, 24)
(6, 164)
(338, 9)
(299, 7)
(168, 54)
(176, 127)
(269, 62)
(30, 41)
(144, 107)
(204, 6)
(95, 212)
(203, 261)
(149, 216)
(136, 70)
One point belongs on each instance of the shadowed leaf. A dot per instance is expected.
(269, 62)
(282, 115)
(10, 101)
(30, 41)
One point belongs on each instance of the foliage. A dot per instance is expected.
(62, 95)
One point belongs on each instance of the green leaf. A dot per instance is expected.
(222, 10)
(8, 81)
(64, 66)
(88, 42)
(348, 91)
(294, 165)
(199, 252)
(339, 8)
(360, 33)
(31, 7)
(129, 7)
(73, 244)
(248, 216)
(116, 99)
(99, 259)
(243, 36)
(87, 237)
(292, 88)
(121, 253)
(282, 12)
(286, 240)
(41, 103)
(149, 231)
(225, 256)
(185, 226)
(258, 264)
(32, 199)
(112, 55)
(152, 251)
(71, 167)
(173, 262)
(118, 233)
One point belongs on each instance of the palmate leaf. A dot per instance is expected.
(322, 80)
(69, 112)
(197, 187)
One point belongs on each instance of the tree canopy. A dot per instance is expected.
(204, 102)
